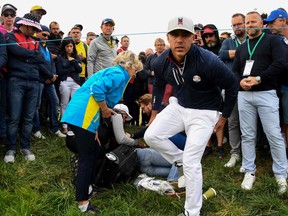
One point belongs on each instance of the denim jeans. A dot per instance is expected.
(153, 164)
(22, 96)
(3, 108)
(36, 120)
(266, 105)
(49, 92)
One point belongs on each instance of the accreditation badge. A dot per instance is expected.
(248, 67)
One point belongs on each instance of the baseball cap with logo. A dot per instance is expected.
(181, 23)
(276, 14)
(124, 108)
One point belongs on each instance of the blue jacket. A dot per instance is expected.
(24, 63)
(198, 84)
(49, 64)
(107, 84)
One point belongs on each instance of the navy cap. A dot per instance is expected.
(45, 28)
(107, 20)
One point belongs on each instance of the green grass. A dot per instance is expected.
(43, 187)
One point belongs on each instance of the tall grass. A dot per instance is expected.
(43, 187)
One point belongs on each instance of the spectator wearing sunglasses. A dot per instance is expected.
(212, 42)
(47, 89)
(211, 39)
(8, 14)
(24, 62)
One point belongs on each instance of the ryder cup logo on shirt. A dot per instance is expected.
(196, 78)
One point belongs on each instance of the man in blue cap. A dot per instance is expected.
(277, 23)
(276, 14)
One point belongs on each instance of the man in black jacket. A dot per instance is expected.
(258, 63)
(24, 62)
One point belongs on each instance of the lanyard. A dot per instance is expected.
(238, 42)
(248, 45)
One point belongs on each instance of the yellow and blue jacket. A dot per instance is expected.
(107, 84)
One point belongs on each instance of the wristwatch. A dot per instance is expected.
(258, 79)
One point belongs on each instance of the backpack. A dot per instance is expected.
(119, 165)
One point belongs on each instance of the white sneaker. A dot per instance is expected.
(248, 181)
(59, 134)
(28, 154)
(39, 135)
(242, 170)
(233, 160)
(10, 157)
(282, 184)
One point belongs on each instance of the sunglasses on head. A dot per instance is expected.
(9, 14)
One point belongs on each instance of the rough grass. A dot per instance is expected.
(43, 187)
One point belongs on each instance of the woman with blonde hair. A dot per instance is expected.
(93, 100)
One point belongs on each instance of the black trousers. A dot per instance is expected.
(88, 150)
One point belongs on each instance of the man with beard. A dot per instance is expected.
(54, 41)
(212, 42)
(211, 39)
(227, 54)
(258, 63)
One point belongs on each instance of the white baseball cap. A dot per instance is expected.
(181, 23)
(124, 108)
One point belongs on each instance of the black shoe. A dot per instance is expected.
(91, 209)
(220, 152)
(208, 151)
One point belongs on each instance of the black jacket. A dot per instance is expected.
(200, 83)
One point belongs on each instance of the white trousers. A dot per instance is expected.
(67, 88)
(198, 125)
